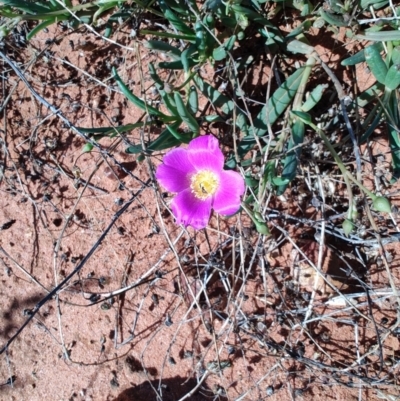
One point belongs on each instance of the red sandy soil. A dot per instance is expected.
(154, 337)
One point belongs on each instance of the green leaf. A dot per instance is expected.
(278, 103)
(213, 118)
(229, 22)
(187, 57)
(165, 47)
(209, 21)
(355, 59)
(175, 21)
(182, 6)
(189, 38)
(305, 117)
(392, 79)
(396, 55)
(384, 36)
(382, 204)
(108, 30)
(138, 102)
(376, 4)
(370, 94)
(304, 26)
(174, 131)
(88, 147)
(271, 177)
(201, 40)
(230, 43)
(375, 63)
(210, 41)
(218, 100)
(297, 46)
(112, 131)
(43, 25)
(154, 76)
(212, 5)
(134, 149)
(348, 227)
(333, 19)
(393, 128)
(251, 181)
(219, 53)
(28, 6)
(252, 15)
(193, 101)
(298, 135)
(177, 65)
(242, 20)
(262, 228)
(244, 62)
(164, 141)
(108, 6)
(185, 114)
(291, 160)
(314, 98)
(360, 56)
(161, 87)
(372, 127)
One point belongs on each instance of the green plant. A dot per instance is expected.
(387, 73)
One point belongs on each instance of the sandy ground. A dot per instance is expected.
(126, 326)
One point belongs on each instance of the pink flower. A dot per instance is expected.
(197, 175)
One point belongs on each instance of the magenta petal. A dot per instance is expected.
(174, 173)
(190, 211)
(204, 153)
(227, 197)
(177, 158)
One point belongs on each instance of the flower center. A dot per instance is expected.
(204, 184)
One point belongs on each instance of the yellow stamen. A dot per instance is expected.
(204, 184)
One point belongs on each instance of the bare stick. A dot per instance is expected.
(58, 113)
(57, 289)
